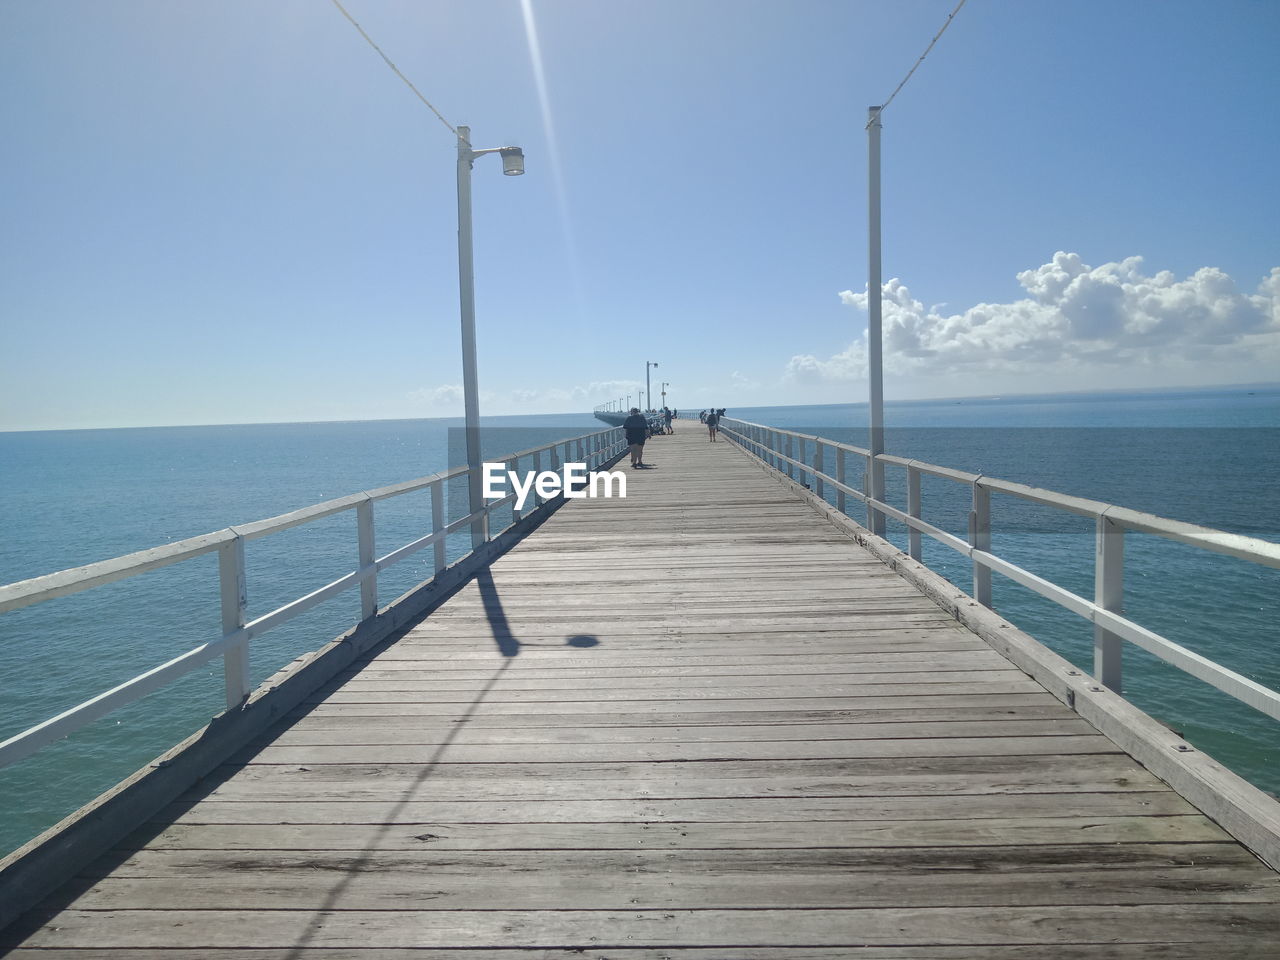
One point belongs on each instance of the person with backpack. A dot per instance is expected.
(636, 428)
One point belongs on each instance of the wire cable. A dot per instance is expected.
(396, 70)
(885, 105)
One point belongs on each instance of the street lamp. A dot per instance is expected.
(875, 373)
(665, 384)
(512, 166)
(648, 397)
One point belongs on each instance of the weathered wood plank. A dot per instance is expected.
(502, 682)
(688, 623)
(691, 779)
(998, 877)
(760, 692)
(1014, 830)
(1026, 951)
(374, 733)
(648, 810)
(604, 716)
(658, 643)
(651, 750)
(853, 708)
(1205, 924)
(396, 659)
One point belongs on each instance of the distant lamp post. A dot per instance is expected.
(512, 166)
(648, 396)
(665, 384)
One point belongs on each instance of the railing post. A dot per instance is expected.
(368, 582)
(840, 503)
(537, 469)
(235, 601)
(1108, 593)
(790, 453)
(914, 549)
(514, 467)
(980, 539)
(485, 510)
(438, 523)
(869, 493)
(818, 468)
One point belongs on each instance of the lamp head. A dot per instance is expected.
(512, 161)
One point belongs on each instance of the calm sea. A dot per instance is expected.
(72, 497)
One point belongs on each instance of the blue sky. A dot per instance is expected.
(235, 212)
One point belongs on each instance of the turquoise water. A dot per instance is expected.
(72, 497)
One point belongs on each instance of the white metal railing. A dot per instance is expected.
(788, 452)
(593, 449)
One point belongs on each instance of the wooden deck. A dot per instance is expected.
(697, 723)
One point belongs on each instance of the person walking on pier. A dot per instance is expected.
(637, 429)
(712, 421)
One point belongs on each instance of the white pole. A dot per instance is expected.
(875, 519)
(467, 300)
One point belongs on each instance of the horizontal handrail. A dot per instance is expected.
(1111, 520)
(1219, 541)
(595, 449)
(63, 583)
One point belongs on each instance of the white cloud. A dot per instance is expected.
(449, 394)
(446, 397)
(445, 400)
(575, 396)
(1075, 316)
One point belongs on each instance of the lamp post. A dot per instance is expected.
(648, 396)
(512, 166)
(875, 377)
(665, 384)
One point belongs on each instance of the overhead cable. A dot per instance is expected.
(395, 69)
(884, 105)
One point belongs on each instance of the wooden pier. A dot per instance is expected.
(700, 722)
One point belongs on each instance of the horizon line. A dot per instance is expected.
(1264, 384)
